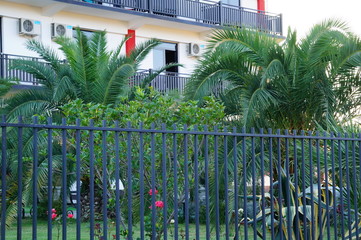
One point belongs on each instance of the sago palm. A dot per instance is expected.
(90, 72)
(291, 85)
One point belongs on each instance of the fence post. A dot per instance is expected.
(220, 13)
(1, 65)
(280, 25)
(150, 6)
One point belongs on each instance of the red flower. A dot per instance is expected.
(70, 215)
(159, 204)
(151, 192)
(53, 210)
(53, 216)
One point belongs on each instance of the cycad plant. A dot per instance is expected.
(89, 72)
(291, 85)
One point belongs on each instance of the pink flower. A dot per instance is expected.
(53, 216)
(70, 215)
(53, 210)
(159, 204)
(151, 192)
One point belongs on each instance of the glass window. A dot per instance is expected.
(87, 33)
(231, 2)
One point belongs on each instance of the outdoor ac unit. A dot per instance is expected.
(195, 49)
(60, 30)
(29, 27)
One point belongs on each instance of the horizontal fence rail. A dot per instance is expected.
(204, 11)
(109, 181)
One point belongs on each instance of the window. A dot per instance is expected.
(165, 53)
(88, 33)
(231, 2)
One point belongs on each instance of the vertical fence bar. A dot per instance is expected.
(326, 183)
(196, 181)
(263, 203)
(225, 159)
(130, 184)
(333, 184)
(288, 195)
(244, 163)
(117, 183)
(175, 189)
(64, 180)
(152, 159)
(339, 149)
(270, 150)
(348, 184)
(295, 170)
(141, 179)
(104, 182)
(206, 172)
(355, 195)
(164, 184)
(303, 177)
(254, 193)
(186, 183)
(35, 177)
(20, 181)
(235, 176)
(216, 172)
(313, 220)
(3, 179)
(78, 176)
(50, 179)
(279, 169)
(319, 185)
(91, 178)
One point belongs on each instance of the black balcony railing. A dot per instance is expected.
(205, 11)
(6, 61)
(165, 82)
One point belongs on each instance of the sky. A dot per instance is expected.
(303, 14)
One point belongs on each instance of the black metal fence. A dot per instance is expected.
(177, 183)
(206, 11)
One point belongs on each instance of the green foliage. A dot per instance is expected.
(150, 110)
(294, 85)
(147, 107)
(90, 72)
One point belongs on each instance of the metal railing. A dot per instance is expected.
(204, 11)
(165, 82)
(6, 61)
(181, 183)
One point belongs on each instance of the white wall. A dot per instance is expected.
(13, 43)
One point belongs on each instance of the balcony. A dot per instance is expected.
(165, 82)
(202, 13)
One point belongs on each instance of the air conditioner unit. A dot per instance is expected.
(61, 30)
(29, 27)
(195, 49)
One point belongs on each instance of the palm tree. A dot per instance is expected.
(295, 85)
(90, 72)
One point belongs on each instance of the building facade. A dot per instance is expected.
(181, 25)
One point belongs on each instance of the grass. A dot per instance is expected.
(42, 231)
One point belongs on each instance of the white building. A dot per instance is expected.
(182, 25)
